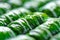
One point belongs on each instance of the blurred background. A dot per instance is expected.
(29, 19)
